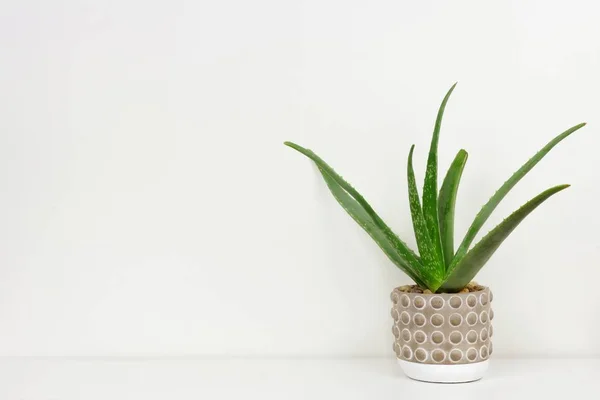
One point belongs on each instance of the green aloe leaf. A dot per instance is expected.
(491, 205)
(362, 218)
(430, 188)
(411, 260)
(431, 265)
(447, 202)
(470, 265)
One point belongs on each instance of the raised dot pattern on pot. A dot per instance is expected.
(442, 328)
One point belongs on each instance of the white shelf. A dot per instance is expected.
(376, 379)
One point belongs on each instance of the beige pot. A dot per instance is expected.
(443, 337)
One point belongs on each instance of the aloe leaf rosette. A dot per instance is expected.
(438, 266)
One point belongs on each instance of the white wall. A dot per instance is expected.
(149, 207)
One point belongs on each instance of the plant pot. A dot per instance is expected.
(443, 337)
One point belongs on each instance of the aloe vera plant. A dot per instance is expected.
(439, 267)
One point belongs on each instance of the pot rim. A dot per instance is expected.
(399, 292)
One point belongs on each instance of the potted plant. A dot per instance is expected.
(442, 324)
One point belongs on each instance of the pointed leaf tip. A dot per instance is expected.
(430, 186)
(297, 147)
(476, 258)
(360, 210)
(493, 202)
(447, 204)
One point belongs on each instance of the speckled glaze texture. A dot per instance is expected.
(443, 328)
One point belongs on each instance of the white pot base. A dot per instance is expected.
(458, 373)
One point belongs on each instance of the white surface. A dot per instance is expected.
(148, 205)
(97, 379)
(459, 373)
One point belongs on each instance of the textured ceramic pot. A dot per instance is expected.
(443, 337)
